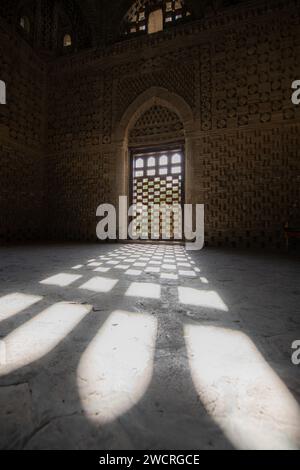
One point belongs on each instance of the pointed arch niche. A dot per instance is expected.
(152, 98)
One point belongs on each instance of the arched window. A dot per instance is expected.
(152, 16)
(151, 162)
(163, 161)
(2, 92)
(176, 159)
(139, 163)
(25, 24)
(155, 21)
(67, 42)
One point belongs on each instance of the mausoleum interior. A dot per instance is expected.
(124, 328)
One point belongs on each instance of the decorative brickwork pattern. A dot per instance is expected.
(156, 125)
(22, 139)
(237, 81)
(234, 71)
(248, 181)
(161, 72)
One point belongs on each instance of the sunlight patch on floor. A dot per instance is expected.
(240, 390)
(201, 298)
(116, 369)
(61, 280)
(40, 335)
(145, 290)
(100, 284)
(12, 304)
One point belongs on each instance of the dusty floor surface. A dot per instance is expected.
(148, 347)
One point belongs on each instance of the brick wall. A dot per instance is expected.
(233, 70)
(22, 123)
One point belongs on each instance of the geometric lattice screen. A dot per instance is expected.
(157, 194)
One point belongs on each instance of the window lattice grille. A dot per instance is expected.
(157, 194)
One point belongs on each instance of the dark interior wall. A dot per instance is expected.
(235, 72)
(22, 138)
(79, 170)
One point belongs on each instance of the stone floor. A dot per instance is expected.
(148, 347)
